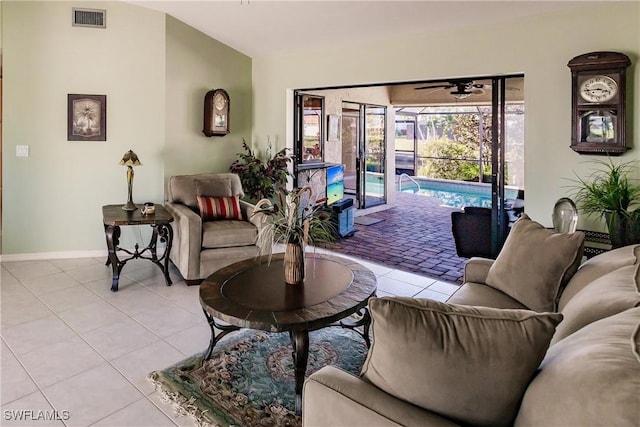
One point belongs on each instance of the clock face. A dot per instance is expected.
(219, 101)
(598, 89)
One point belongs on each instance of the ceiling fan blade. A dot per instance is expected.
(447, 86)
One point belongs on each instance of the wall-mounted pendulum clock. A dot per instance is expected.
(216, 113)
(598, 98)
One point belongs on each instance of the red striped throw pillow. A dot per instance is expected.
(213, 208)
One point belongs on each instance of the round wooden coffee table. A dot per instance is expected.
(252, 294)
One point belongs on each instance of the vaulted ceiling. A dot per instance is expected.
(264, 27)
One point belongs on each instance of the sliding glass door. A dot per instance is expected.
(363, 152)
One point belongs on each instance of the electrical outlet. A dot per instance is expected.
(22, 151)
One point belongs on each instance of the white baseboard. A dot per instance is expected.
(53, 255)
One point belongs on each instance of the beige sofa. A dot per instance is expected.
(479, 365)
(202, 247)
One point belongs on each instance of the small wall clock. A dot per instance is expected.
(216, 113)
(598, 102)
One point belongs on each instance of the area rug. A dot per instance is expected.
(367, 220)
(249, 380)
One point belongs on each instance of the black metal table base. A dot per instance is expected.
(112, 233)
(299, 344)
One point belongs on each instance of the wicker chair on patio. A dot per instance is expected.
(471, 229)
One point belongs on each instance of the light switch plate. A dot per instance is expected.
(22, 151)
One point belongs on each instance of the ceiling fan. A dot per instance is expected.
(463, 88)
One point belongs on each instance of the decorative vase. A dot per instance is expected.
(294, 264)
(623, 230)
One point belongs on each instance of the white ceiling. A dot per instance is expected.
(265, 27)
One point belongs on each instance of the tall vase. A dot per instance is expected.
(623, 230)
(294, 264)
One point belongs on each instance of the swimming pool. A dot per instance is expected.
(456, 194)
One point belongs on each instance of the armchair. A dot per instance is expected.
(202, 247)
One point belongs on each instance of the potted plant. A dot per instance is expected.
(295, 221)
(609, 192)
(261, 179)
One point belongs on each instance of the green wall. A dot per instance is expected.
(539, 47)
(154, 71)
(196, 64)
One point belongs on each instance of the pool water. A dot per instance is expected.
(455, 194)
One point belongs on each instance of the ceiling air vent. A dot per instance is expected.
(95, 18)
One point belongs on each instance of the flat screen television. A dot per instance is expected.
(335, 184)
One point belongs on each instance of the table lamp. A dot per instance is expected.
(130, 159)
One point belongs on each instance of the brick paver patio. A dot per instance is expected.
(415, 235)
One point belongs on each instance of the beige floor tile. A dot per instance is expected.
(91, 273)
(32, 410)
(170, 411)
(6, 278)
(36, 334)
(15, 383)
(444, 287)
(92, 316)
(60, 361)
(74, 263)
(102, 286)
(24, 309)
(92, 395)
(50, 283)
(29, 270)
(141, 413)
(139, 363)
(168, 320)
(193, 340)
(411, 278)
(64, 299)
(397, 287)
(136, 300)
(117, 339)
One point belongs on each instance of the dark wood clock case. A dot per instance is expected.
(216, 113)
(598, 103)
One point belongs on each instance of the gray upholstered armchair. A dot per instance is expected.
(202, 247)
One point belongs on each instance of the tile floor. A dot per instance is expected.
(72, 348)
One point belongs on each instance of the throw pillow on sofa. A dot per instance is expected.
(471, 364)
(216, 208)
(535, 264)
(610, 294)
(217, 187)
(591, 378)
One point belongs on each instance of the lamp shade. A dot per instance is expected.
(130, 159)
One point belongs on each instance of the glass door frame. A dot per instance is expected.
(363, 145)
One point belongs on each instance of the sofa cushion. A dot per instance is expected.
(596, 267)
(591, 378)
(535, 264)
(471, 364)
(472, 293)
(216, 208)
(610, 294)
(215, 187)
(225, 234)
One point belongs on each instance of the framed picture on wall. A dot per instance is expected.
(333, 127)
(86, 117)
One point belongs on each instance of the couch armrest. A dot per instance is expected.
(477, 269)
(332, 397)
(187, 240)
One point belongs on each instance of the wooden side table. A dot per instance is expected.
(113, 216)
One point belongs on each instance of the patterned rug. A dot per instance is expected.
(249, 381)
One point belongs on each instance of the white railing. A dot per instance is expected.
(410, 179)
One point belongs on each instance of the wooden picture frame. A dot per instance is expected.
(333, 127)
(86, 117)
